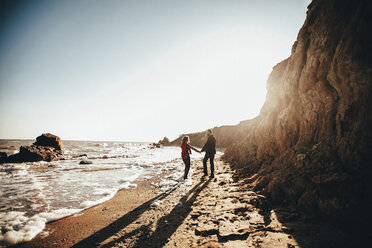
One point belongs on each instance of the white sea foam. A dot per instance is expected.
(147, 177)
(44, 234)
(16, 227)
(175, 179)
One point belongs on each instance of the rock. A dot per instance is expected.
(222, 183)
(234, 230)
(85, 162)
(275, 225)
(47, 139)
(155, 145)
(256, 219)
(165, 142)
(211, 244)
(34, 153)
(3, 157)
(270, 239)
(206, 229)
(310, 145)
(46, 148)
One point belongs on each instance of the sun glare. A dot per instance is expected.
(218, 79)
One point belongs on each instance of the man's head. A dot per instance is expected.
(209, 132)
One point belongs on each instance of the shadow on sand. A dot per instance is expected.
(119, 224)
(166, 225)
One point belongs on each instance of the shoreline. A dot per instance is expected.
(68, 230)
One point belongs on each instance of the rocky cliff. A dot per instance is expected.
(311, 144)
(225, 135)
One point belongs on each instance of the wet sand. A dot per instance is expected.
(213, 212)
(94, 221)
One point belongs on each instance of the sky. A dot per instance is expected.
(137, 70)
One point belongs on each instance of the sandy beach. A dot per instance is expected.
(106, 103)
(212, 212)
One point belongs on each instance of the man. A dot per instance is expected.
(210, 150)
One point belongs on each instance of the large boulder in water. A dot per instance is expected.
(47, 139)
(34, 153)
(47, 147)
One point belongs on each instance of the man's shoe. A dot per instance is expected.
(212, 175)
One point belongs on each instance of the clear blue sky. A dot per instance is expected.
(138, 70)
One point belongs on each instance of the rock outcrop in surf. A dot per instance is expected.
(47, 147)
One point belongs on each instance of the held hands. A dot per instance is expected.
(199, 151)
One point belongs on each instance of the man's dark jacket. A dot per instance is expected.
(210, 145)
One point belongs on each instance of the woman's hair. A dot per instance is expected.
(185, 139)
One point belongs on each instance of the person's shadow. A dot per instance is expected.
(119, 224)
(166, 225)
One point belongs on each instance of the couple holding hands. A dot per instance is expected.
(209, 148)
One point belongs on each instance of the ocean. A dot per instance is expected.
(33, 194)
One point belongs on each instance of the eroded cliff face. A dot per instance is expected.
(311, 144)
(225, 135)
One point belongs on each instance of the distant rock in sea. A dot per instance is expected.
(85, 162)
(48, 147)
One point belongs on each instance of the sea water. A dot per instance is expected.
(32, 194)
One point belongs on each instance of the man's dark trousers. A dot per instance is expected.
(211, 158)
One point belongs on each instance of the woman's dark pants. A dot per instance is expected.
(187, 166)
(211, 158)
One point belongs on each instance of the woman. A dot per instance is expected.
(186, 151)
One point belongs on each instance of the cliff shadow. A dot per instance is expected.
(310, 230)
